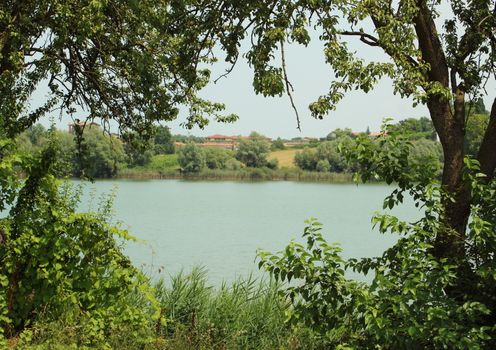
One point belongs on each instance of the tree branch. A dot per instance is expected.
(364, 37)
(289, 88)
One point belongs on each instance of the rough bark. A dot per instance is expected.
(450, 125)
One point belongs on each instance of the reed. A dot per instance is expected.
(246, 314)
(244, 174)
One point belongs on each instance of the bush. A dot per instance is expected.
(323, 166)
(216, 158)
(273, 164)
(277, 145)
(233, 164)
(57, 263)
(191, 158)
(307, 159)
(328, 151)
(253, 152)
(100, 156)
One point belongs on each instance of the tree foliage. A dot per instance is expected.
(163, 143)
(191, 158)
(134, 63)
(414, 129)
(254, 151)
(476, 124)
(100, 155)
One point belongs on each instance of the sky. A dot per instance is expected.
(310, 77)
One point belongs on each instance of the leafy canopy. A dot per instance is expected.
(133, 62)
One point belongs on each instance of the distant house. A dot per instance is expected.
(73, 126)
(299, 141)
(225, 141)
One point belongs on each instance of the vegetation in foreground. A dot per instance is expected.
(248, 314)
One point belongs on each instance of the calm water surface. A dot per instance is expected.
(220, 225)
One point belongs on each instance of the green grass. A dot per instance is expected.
(163, 161)
(160, 166)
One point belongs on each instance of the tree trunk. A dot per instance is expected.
(450, 127)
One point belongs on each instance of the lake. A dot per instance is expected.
(220, 225)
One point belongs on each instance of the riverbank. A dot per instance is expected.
(245, 174)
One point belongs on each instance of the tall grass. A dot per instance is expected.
(247, 314)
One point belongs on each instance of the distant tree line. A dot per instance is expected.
(326, 156)
(96, 154)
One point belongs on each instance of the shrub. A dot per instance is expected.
(233, 164)
(59, 263)
(191, 158)
(306, 159)
(253, 152)
(216, 158)
(273, 164)
(323, 166)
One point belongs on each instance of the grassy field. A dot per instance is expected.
(163, 161)
(284, 157)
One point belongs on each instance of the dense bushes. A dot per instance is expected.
(191, 158)
(100, 155)
(327, 157)
(324, 158)
(250, 153)
(60, 264)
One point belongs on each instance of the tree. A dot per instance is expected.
(339, 133)
(426, 152)
(191, 158)
(138, 148)
(328, 151)
(476, 124)
(37, 134)
(306, 159)
(323, 166)
(163, 140)
(217, 158)
(101, 155)
(254, 151)
(476, 107)
(277, 145)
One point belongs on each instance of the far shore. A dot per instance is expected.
(246, 174)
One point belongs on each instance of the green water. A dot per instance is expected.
(220, 225)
